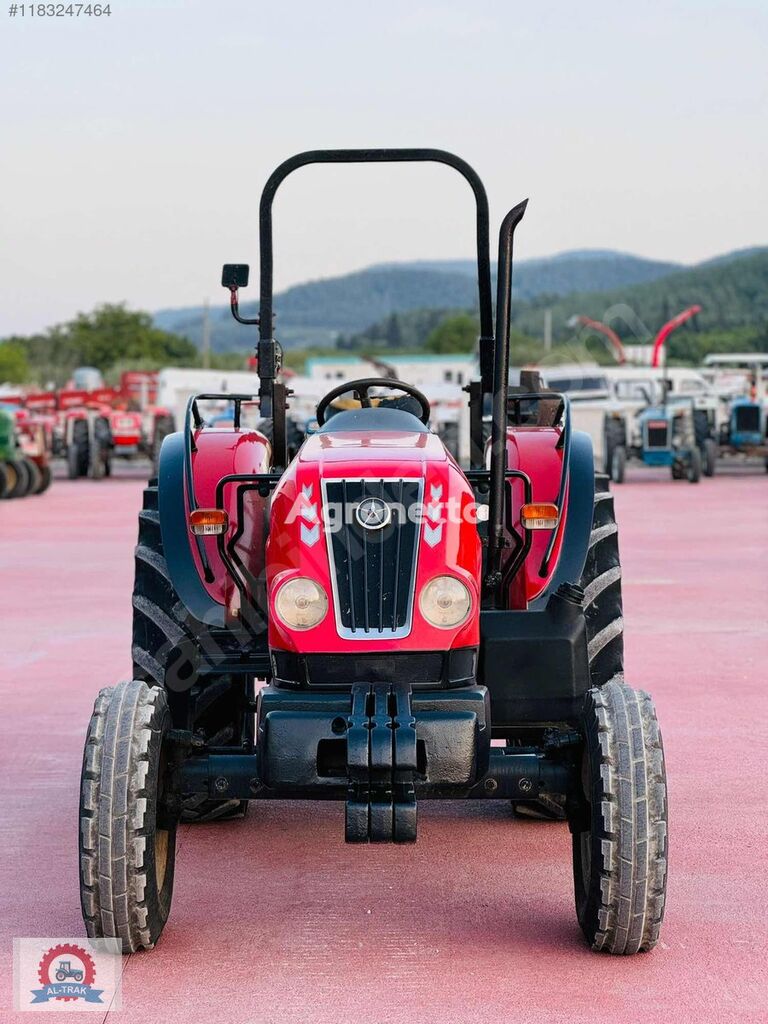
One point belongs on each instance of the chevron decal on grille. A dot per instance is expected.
(433, 534)
(310, 535)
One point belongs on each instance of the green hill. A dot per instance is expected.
(733, 293)
(316, 312)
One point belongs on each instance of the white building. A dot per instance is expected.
(422, 371)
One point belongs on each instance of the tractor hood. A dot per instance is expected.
(372, 517)
(331, 447)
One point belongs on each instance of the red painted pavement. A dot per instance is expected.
(276, 920)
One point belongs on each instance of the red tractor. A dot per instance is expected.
(99, 424)
(400, 613)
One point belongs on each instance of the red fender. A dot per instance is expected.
(534, 451)
(217, 453)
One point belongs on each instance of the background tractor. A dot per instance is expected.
(36, 441)
(20, 475)
(663, 434)
(360, 622)
(743, 428)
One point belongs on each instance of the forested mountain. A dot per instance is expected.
(577, 271)
(316, 312)
(732, 292)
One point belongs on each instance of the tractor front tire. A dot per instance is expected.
(127, 841)
(620, 829)
(4, 478)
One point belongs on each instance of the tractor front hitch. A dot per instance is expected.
(378, 747)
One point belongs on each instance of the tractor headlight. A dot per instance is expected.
(445, 602)
(301, 603)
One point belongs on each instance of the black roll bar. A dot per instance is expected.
(272, 400)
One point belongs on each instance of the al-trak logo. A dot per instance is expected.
(67, 972)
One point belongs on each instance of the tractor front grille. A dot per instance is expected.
(746, 419)
(373, 571)
(657, 434)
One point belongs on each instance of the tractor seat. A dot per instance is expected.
(380, 417)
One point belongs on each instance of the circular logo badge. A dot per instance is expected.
(66, 973)
(373, 514)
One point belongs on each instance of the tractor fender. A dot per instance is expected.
(578, 520)
(175, 533)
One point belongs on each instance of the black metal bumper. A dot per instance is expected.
(378, 747)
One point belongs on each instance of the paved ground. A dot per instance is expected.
(275, 920)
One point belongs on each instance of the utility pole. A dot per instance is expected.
(206, 342)
(547, 330)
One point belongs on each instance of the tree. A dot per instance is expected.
(14, 367)
(456, 334)
(108, 336)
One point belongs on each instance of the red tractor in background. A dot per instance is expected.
(24, 450)
(35, 432)
(94, 423)
(421, 631)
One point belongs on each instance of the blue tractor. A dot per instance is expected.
(745, 432)
(658, 435)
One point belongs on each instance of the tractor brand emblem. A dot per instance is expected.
(373, 514)
(433, 527)
(310, 527)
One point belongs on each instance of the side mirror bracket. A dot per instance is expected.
(233, 277)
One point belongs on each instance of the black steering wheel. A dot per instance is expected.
(360, 389)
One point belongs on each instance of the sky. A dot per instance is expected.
(133, 147)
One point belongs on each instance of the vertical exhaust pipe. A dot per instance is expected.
(500, 389)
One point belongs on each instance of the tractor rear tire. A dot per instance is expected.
(620, 830)
(161, 627)
(693, 473)
(603, 613)
(73, 462)
(46, 477)
(127, 841)
(709, 453)
(4, 478)
(35, 476)
(613, 438)
(601, 583)
(78, 450)
(618, 464)
(163, 426)
(19, 479)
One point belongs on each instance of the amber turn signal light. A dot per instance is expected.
(208, 521)
(539, 516)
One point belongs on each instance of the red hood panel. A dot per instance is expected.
(298, 540)
(383, 446)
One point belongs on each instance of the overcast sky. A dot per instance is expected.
(134, 146)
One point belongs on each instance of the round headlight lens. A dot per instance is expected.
(445, 602)
(301, 603)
